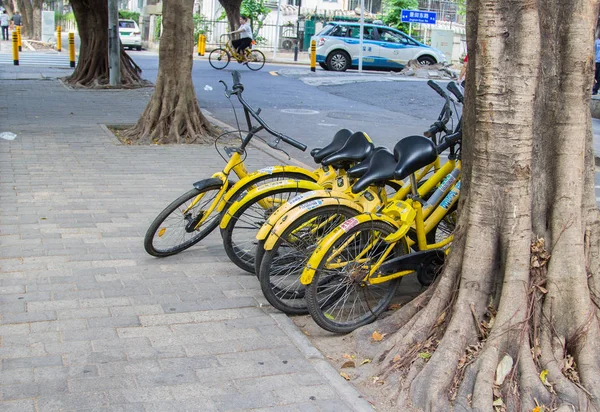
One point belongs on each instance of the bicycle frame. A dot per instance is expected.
(402, 214)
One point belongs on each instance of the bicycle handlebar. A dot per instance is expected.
(440, 124)
(453, 87)
(449, 141)
(238, 88)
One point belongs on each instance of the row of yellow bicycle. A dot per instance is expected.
(334, 241)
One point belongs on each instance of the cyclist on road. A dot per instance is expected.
(245, 37)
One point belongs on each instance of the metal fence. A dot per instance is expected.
(266, 38)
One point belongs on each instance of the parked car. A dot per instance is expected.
(383, 47)
(130, 34)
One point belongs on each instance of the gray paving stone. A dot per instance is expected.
(101, 383)
(28, 317)
(32, 390)
(181, 406)
(23, 405)
(70, 402)
(31, 362)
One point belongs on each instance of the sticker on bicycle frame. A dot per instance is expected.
(349, 224)
(274, 184)
(311, 205)
(298, 198)
(268, 170)
(450, 197)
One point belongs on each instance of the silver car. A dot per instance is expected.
(130, 34)
(383, 47)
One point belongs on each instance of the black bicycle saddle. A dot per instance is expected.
(413, 153)
(361, 168)
(338, 141)
(381, 169)
(357, 148)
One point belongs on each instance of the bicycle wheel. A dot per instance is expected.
(338, 298)
(239, 236)
(256, 60)
(282, 266)
(172, 230)
(219, 58)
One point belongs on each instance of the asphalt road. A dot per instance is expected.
(311, 107)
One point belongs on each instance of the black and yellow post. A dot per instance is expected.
(15, 44)
(313, 55)
(58, 38)
(72, 49)
(19, 37)
(201, 44)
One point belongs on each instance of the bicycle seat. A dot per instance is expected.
(357, 148)
(413, 153)
(381, 169)
(361, 168)
(338, 141)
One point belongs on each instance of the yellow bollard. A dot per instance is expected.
(313, 55)
(58, 38)
(15, 44)
(72, 49)
(201, 44)
(19, 37)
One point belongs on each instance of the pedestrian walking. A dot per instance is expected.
(4, 24)
(17, 19)
(597, 73)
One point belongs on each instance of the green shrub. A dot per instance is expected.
(130, 15)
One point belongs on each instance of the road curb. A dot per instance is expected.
(347, 392)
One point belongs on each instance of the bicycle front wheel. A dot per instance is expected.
(340, 297)
(219, 58)
(174, 229)
(256, 60)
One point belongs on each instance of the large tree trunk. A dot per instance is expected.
(26, 10)
(172, 114)
(10, 6)
(232, 10)
(92, 67)
(36, 18)
(522, 282)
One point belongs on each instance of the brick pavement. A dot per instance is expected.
(87, 319)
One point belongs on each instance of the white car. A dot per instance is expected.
(383, 47)
(130, 34)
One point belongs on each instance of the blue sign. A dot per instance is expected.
(418, 16)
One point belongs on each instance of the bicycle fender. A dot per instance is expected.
(300, 210)
(328, 241)
(261, 190)
(272, 170)
(213, 181)
(264, 231)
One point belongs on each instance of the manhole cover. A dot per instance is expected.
(299, 111)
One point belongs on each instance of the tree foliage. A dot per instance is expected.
(392, 10)
(257, 12)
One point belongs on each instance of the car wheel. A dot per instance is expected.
(139, 48)
(426, 60)
(323, 66)
(338, 61)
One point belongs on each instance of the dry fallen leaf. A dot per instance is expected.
(345, 376)
(397, 358)
(348, 364)
(377, 337)
(365, 361)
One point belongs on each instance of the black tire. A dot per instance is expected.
(219, 58)
(172, 223)
(323, 66)
(260, 253)
(331, 290)
(282, 266)
(239, 236)
(139, 48)
(338, 61)
(256, 60)
(426, 60)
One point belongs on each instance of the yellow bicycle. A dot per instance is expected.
(192, 216)
(219, 58)
(355, 270)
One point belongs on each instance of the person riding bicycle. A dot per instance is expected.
(245, 37)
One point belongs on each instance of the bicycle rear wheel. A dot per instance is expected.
(339, 298)
(256, 60)
(219, 58)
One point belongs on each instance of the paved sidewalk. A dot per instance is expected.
(87, 319)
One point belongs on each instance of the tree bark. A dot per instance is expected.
(26, 9)
(36, 18)
(232, 10)
(92, 67)
(526, 257)
(172, 114)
